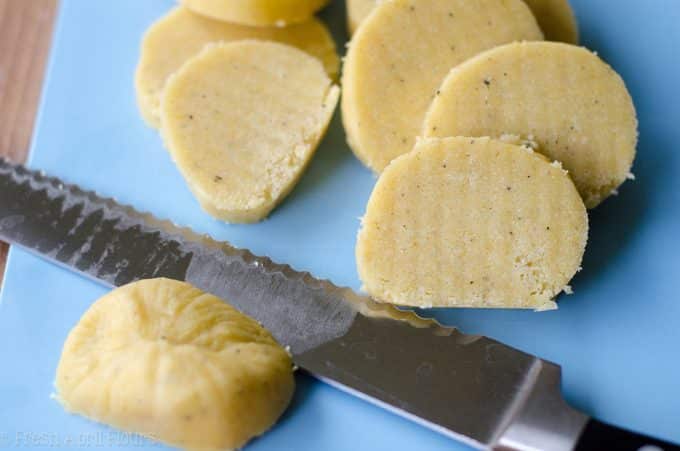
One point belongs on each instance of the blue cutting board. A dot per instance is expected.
(618, 337)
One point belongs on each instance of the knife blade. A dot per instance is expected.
(472, 388)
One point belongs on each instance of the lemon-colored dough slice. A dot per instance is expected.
(399, 56)
(471, 222)
(181, 34)
(164, 359)
(257, 12)
(563, 97)
(555, 17)
(242, 120)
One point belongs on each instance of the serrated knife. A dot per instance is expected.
(472, 388)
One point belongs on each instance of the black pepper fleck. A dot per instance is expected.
(487, 81)
(217, 179)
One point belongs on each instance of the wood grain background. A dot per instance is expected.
(25, 36)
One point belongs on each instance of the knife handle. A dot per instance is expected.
(598, 436)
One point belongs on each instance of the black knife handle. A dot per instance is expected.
(599, 436)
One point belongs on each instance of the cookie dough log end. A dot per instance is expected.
(161, 358)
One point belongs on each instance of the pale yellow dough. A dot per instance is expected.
(181, 34)
(257, 12)
(242, 121)
(563, 97)
(555, 17)
(471, 222)
(399, 56)
(164, 359)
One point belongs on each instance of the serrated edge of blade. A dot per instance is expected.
(365, 305)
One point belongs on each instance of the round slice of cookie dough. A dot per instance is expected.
(181, 34)
(257, 12)
(555, 17)
(242, 121)
(161, 358)
(471, 222)
(399, 56)
(564, 98)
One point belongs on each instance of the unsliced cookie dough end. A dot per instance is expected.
(163, 359)
(471, 222)
(242, 121)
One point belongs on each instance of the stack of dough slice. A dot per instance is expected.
(399, 56)
(471, 222)
(242, 121)
(181, 34)
(564, 98)
(257, 12)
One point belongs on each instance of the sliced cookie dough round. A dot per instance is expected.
(556, 18)
(399, 56)
(161, 358)
(471, 222)
(257, 13)
(242, 121)
(181, 34)
(564, 98)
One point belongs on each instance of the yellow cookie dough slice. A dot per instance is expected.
(555, 17)
(257, 12)
(563, 97)
(471, 222)
(161, 358)
(242, 121)
(399, 56)
(181, 34)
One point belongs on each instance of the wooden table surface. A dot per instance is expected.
(25, 36)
